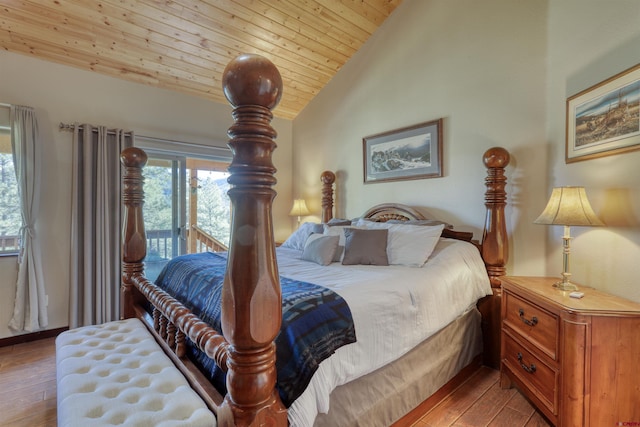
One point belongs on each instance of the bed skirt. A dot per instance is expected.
(385, 395)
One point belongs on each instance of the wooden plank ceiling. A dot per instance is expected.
(184, 45)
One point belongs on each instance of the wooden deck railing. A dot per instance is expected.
(160, 243)
(200, 241)
(9, 243)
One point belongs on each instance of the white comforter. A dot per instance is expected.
(394, 308)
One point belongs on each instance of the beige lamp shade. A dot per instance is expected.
(568, 206)
(299, 208)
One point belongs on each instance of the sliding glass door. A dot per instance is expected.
(165, 210)
(186, 207)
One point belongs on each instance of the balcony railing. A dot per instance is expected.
(160, 243)
(201, 241)
(9, 243)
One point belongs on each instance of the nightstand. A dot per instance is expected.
(577, 360)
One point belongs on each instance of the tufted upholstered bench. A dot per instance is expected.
(117, 374)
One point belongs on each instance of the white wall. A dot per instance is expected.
(480, 66)
(590, 41)
(499, 72)
(64, 94)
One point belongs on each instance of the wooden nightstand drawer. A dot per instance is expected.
(579, 362)
(539, 326)
(540, 379)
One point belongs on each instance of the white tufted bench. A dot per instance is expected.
(116, 374)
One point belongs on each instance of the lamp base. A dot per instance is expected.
(565, 286)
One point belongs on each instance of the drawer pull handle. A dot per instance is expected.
(530, 369)
(532, 322)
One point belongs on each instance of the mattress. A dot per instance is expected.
(382, 397)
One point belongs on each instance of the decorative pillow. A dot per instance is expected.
(409, 245)
(338, 230)
(368, 247)
(299, 237)
(320, 248)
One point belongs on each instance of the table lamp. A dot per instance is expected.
(299, 209)
(568, 206)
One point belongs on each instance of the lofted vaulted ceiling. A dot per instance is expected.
(185, 45)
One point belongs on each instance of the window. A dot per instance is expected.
(10, 217)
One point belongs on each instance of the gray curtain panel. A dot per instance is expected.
(95, 224)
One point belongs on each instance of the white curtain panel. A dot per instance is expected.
(95, 224)
(30, 309)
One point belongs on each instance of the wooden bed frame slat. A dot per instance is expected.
(251, 298)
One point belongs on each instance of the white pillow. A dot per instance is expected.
(409, 245)
(300, 236)
(335, 230)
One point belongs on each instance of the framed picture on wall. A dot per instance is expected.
(414, 152)
(604, 119)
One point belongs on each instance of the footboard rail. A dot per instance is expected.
(173, 322)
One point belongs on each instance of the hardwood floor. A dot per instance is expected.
(28, 384)
(28, 395)
(481, 402)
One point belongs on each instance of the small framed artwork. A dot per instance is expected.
(414, 152)
(604, 119)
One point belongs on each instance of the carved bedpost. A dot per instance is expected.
(327, 178)
(134, 244)
(495, 251)
(495, 245)
(251, 295)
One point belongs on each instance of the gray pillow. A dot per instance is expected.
(320, 248)
(339, 251)
(368, 247)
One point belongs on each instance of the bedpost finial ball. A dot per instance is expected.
(251, 79)
(133, 157)
(496, 157)
(328, 177)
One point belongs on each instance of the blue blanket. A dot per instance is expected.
(315, 320)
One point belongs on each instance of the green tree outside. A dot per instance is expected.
(10, 217)
(213, 210)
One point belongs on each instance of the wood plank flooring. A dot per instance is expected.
(28, 384)
(480, 401)
(28, 395)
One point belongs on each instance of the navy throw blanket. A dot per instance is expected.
(315, 320)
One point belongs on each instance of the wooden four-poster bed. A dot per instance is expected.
(250, 297)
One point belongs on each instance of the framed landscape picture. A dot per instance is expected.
(413, 152)
(605, 119)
